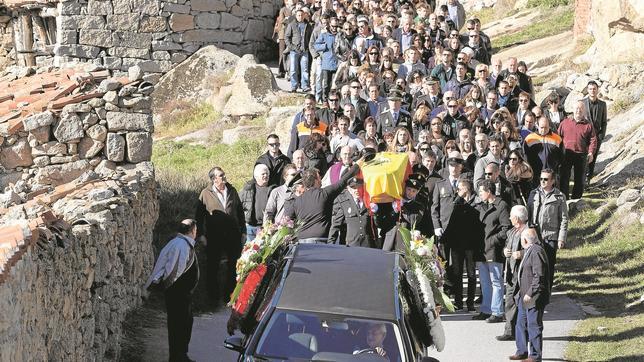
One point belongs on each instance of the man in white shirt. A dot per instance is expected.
(177, 272)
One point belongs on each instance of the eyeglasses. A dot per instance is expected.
(489, 173)
(453, 35)
(424, 148)
(223, 175)
(373, 53)
(460, 59)
(470, 29)
(450, 148)
(544, 179)
(276, 144)
(333, 99)
(452, 106)
(514, 159)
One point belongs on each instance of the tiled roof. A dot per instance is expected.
(16, 239)
(20, 98)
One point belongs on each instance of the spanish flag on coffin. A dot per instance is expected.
(384, 177)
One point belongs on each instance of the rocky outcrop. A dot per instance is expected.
(617, 26)
(251, 89)
(196, 79)
(67, 296)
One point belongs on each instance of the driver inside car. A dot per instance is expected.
(376, 334)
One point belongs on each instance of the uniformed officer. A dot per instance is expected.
(394, 116)
(352, 224)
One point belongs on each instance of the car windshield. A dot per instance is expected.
(296, 335)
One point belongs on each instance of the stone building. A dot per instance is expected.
(117, 34)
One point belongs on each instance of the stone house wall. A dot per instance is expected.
(156, 35)
(84, 156)
(66, 300)
(6, 39)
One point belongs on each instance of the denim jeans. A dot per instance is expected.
(318, 79)
(299, 68)
(491, 277)
(529, 328)
(251, 232)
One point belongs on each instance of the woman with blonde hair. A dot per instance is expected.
(475, 97)
(420, 118)
(402, 142)
(472, 114)
(519, 173)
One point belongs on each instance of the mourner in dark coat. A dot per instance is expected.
(495, 216)
(513, 251)
(220, 224)
(464, 243)
(410, 215)
(532, 294)
(274, 159)
(351, 221)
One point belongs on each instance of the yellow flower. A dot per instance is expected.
(416, 243)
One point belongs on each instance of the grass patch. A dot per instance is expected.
(601, 266)
(547, 3)
(583, 43)
(289, 99)
(182, 118)
(486, 15)
(181, 171)
(556, 22)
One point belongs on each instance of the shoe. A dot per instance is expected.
(518, 357)
(494, 319)
(307, 90)
(293, 90)
(481, 316)
(505, 337)
(471, 308)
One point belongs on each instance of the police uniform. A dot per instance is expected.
(386, 121)
(352, 224)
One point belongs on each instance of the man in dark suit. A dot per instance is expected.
(430, 94)
(464, 243)
(597, 114)
(351, 222)
(532, 294)
(221, 226)
(394, 116)
(443, 197)
(404, 33)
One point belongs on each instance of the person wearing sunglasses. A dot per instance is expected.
(519, 173)
(274, 159)
(329, 61)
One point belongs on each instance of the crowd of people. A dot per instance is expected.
(490, 168)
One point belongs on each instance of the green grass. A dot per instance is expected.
(547, 3)
(183, 118)
(601, 266)
(182, 172)
(555, 22)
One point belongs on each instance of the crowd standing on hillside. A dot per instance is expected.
(491, 168)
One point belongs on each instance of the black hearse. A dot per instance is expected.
(337, 303)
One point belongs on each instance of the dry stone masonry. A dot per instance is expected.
(153, 34)
(78, 203)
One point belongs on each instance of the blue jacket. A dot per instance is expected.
(324, 45)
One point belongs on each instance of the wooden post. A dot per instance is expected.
(24, 40)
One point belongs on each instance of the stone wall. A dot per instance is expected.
(582, 17)
(65, 299)
(6, 39)
(156, 34)
(86, 160)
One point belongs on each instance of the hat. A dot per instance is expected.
(394, 95)
(368, 154)
(455, 158)
(415, 181)
(355, 182)
(296, 180)
(468, 51)
(430, 80)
